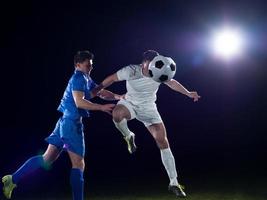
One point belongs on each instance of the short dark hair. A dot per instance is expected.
(81, 56)
(149, 55)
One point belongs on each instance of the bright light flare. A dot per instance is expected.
(227, 43)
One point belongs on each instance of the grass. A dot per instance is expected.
(222, 188)
(207, 195)
(209, 191)
(195, 196)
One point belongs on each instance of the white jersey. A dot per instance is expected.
(140, 89)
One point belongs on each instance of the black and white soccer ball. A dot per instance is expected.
(162, 69)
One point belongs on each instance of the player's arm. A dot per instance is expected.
(105, 83)
(109, 96)
(178, 87)
(81, 102)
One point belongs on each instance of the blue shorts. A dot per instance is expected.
(68, 134)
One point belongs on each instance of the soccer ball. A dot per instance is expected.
(162, 69)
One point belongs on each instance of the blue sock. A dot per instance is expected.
(76, 182)
(29, 166)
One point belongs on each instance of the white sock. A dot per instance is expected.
(169, 164)
(123, 128)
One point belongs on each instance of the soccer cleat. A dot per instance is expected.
(177, 190)
(8, 186)
(130, 143)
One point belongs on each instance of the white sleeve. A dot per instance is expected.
(125, 73)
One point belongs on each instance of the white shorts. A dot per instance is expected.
(147, 113)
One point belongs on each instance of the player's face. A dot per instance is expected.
(145, 68)
(86, 66)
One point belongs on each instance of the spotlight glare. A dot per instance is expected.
(227, 43)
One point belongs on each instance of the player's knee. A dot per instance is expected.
(79, 164)
(49, 158)
(117, 115)
(51, 154)
(163, 145)
(162, 142)
(45, 158)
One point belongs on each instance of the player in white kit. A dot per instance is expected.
(139, 103)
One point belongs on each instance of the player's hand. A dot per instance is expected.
(194, 96)
(107, 108)
(119, 97)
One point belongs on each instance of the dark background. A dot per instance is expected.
(222, 137)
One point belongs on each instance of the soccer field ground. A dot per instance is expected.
(208, 195)
(196, 192)
(206, 190)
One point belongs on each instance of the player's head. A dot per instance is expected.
(83, 60)
(149, 55)
(81, 56)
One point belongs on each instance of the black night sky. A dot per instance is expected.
(221, 138)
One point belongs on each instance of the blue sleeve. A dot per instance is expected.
(78, 84)
(92, 85)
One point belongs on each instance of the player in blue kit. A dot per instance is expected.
(68, 133)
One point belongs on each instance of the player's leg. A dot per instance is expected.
(120, 116)
(122, 113)
(51, 154)
(76, 175)
(73, 138)
(158, 132)
(33, 163)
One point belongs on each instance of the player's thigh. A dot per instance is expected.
(72, 134)
(121, 111)
(148, 114)
(158, 131)
(51, 153)
(77, 161)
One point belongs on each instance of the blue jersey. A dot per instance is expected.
(78, 82)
